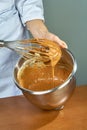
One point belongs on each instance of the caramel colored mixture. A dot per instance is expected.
(38, 77)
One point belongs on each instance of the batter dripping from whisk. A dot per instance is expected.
(36, 73)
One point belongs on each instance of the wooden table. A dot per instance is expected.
(16, 113)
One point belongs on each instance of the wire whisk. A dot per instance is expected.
(42, 49)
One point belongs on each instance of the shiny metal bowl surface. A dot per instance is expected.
(54, 98)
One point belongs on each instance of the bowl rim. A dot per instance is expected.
(55, 88)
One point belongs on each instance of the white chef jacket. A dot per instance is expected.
(13, 16)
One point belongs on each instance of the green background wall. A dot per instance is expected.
(68, 20)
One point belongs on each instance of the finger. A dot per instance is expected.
(60, 42)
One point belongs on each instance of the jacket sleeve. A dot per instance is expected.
(30, 10)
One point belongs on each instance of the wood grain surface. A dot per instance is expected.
(16, 113)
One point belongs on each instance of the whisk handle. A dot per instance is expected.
(1, 43)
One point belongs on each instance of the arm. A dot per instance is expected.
(32, 16)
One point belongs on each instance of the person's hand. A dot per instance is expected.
(39, 30)
(53, 37)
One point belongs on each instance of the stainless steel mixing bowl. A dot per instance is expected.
(54, 98)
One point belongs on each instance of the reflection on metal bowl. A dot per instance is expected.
(56, 97)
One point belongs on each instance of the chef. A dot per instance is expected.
(18, 18)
